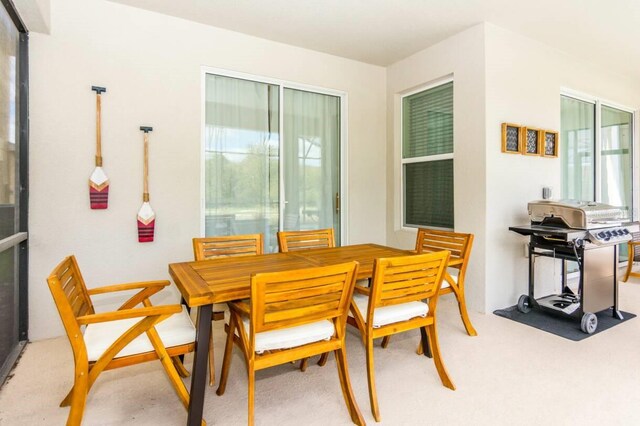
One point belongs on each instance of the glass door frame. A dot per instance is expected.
(19, 240)
(282, 84)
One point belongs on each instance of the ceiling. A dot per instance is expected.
(382, 32)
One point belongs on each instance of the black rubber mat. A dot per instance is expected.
(562, 326)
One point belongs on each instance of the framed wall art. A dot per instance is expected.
(511, 138)
(550, 142)
(531, 141)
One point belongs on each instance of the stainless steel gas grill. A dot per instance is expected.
(586, 233)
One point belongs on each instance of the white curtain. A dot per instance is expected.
(615, 150)
(241, 156)
(312, 160)
(577, 144)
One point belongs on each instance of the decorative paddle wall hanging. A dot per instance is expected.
(98, 182)
(146, 216)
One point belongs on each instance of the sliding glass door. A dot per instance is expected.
(597, 142)
(271, 159)
(13, 195)
(597, 155)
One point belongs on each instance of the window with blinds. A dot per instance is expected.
(427, 157)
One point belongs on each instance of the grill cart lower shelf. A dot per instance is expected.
(597, 264)
(562, 304)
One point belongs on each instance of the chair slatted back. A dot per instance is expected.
(297, 297)
(70, 295)
(227, 246)
(303, 240)
(66, 280)
(458, 244)
(406, 279)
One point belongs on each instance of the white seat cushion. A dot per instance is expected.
(293, 336)
(174, 331)
(390, 314)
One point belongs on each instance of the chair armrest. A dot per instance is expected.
(148, 289)
(633, 243)
(128, 286)
(362, 290)
(455, 263)
(129, 313)
(241, 307)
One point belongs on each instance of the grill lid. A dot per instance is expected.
(574, 214)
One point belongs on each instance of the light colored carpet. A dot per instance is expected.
(509, 374)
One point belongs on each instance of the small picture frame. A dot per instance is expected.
(531, 141)
(511, 138)
(550, 140)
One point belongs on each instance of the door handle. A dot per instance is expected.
(337, 202)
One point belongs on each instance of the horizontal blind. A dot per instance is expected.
(429, 193)
(428, 122)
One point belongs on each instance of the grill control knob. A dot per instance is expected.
(607, 234)
(601, 235)
(625, 231)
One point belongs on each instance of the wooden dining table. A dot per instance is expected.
(220, 280)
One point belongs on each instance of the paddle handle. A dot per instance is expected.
(98, 91)
(145, 184)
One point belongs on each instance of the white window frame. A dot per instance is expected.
(423, 159)
(282, 84)
(599, 103)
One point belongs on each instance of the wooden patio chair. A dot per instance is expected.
(459, 245)
(292, 315)
(305, 240)
(227, 246)
(130, 335)
(395, 303)
(634, 256)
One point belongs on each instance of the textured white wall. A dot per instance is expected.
(523, 85)
(150, 64)
(36, 14)
(463, 56)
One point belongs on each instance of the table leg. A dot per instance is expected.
(199, 372)
(184, 302)
(426, 349)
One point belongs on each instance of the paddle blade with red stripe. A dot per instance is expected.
(146, 223)
(98, 189)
